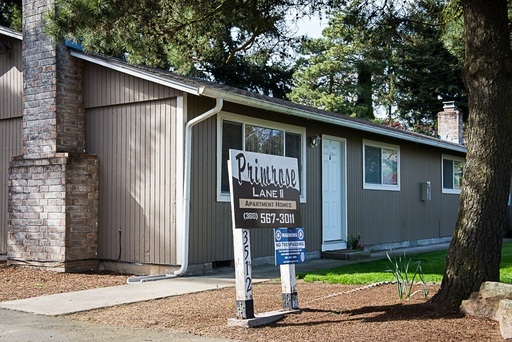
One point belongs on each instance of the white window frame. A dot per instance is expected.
(225, 197)
(452, 158)
(372, 186)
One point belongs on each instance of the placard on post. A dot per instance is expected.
(290, 247)
(265, 193)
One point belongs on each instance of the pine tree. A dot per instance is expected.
(389, 58)
(10, 14)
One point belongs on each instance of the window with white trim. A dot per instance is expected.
(249, 134)
(452, 171)
(381, 166)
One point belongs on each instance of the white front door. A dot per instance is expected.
(334, 194)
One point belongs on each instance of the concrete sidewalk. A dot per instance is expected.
(66, 303)
(18, 326)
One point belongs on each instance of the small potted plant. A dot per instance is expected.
(354, 242)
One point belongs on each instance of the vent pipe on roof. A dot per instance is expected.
(186, 181)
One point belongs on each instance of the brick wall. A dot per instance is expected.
(53, 212)
(53, 186)
(70, 111)
(53, 117)
(82, 208)
(450, 123)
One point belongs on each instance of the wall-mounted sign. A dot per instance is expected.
(290, 246)
(265, 190)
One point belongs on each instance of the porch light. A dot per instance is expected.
(315, 141)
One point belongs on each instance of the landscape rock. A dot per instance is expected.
(493, 301)
(504, 316)
(491, 289)
(480, 307)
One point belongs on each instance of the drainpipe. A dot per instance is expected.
(186, 181)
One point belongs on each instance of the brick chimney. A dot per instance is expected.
(53, 186)
(449, 123)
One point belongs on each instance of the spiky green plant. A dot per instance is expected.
(400, 269)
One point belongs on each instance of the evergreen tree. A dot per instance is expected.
(426, 72)
(235, 42)
(390, 58)
(338, 72)
(10, 14)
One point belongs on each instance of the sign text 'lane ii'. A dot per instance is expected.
(266, 190)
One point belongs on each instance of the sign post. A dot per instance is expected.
(290, 249)
(289, 296)
(265, 193)
(243, 274)
(243, 265)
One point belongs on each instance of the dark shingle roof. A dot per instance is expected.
(235, 95)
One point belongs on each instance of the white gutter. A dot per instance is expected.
(186, 181)
(280, 108)
(11, 33)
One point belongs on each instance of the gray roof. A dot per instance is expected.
(214, 90)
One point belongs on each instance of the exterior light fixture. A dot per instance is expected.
(315, 141)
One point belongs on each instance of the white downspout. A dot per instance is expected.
(186, 181)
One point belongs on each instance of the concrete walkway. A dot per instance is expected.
(18, 326)
(66, 303)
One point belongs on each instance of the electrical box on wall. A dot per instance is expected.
(426, 191)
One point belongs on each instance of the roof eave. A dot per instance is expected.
(249, 101)
(203, 90)
(11, 33)
(136, 72)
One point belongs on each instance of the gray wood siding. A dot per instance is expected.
(11, 81)
(395, 216)
(10, 146)
(104, 87)
(210, 221)
(136, 148)
(380, 216)
(311, 211)
(449, 213)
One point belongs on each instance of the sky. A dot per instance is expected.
(311, 27)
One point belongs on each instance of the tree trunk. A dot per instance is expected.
(364, 90)
(475, 251)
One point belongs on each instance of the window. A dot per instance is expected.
(260, 136)
(381, 166)
(453, 169)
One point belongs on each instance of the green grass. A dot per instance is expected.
(506, 263)
(376, 271)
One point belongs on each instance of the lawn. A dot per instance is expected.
(432, 265)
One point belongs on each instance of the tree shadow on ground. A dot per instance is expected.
(399, 312)
(380, 313)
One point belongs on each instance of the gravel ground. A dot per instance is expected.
(19, 283)
(328, 312)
